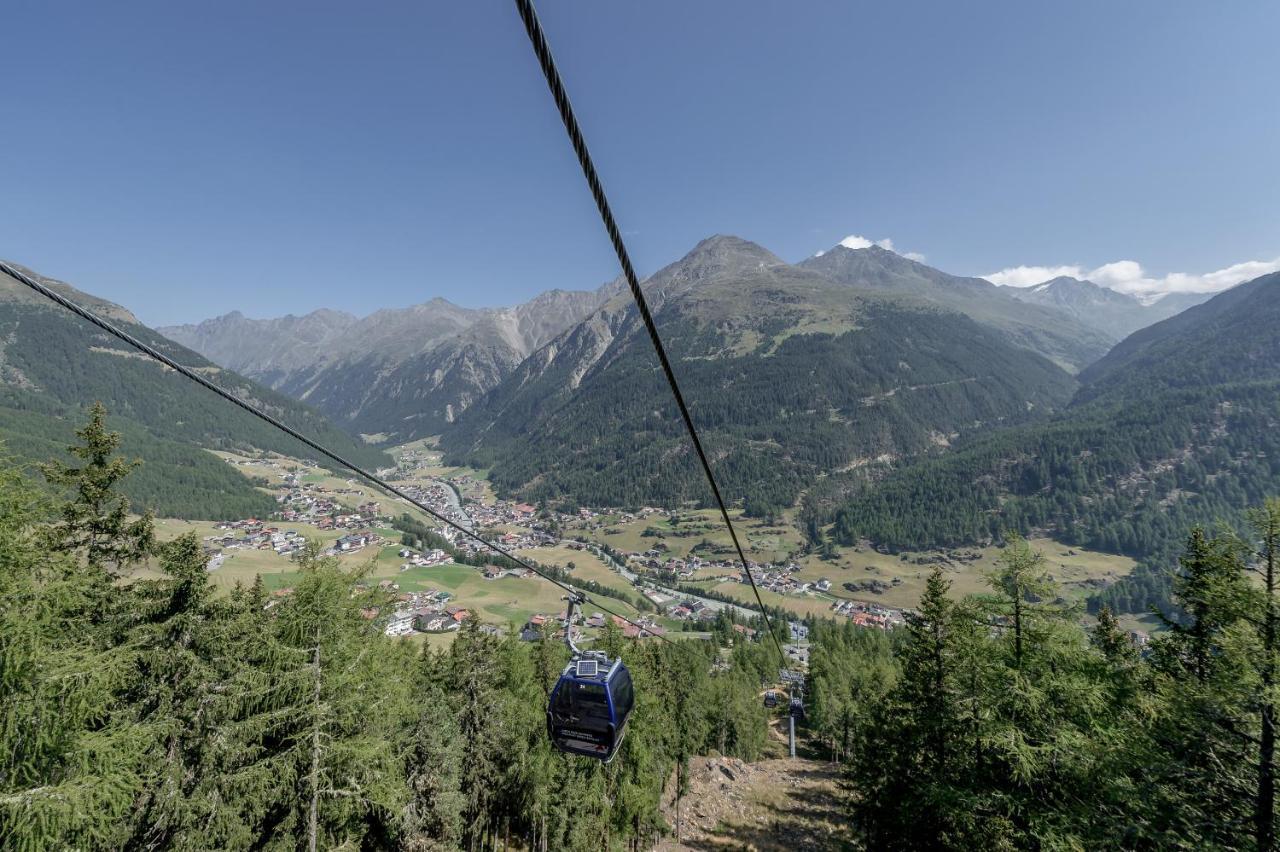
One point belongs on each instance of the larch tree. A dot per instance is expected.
(69, 765)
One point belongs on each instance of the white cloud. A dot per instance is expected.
(855, 241)
(1026, 276)
(1128, 276)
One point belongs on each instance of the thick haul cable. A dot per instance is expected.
(543, 51)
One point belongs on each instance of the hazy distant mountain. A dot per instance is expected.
(262, 347)
(403, 372)
(788, 373)
(1233, 337)
(1176, 303)
(53, 366)
(1114, 313)
(1055, 333)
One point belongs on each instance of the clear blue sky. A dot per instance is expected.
(189, 159)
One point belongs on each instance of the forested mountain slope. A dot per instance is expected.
(53, 365)
(1179, 425)
(402, 373)
(788, 374)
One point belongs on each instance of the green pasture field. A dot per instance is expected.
(766, 543)
(1074, 569)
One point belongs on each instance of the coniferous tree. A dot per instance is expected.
(1021, 582)
(913, 759)
(69, 765)
(312, 717)
(180, 640)
(1111, 641)
(95, 521)
(474, 681)
(433, 817)
(1264, 522)
(1201, 743)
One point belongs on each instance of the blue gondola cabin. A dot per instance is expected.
(588, 711)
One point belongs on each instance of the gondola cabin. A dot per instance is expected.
(771, 699)
(588, 710)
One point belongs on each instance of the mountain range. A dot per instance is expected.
(1109, 311)
(789, 373)
(398, 373)
(899, 404)
(406, 373)
(1072, 340)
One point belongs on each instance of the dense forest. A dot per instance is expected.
(154, 714)
(998, 723)
(177, 480)
(1125, 479)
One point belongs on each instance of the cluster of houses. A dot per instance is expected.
(440, 499)
(869, 614)
(779, 578)
(250, 534)
(425, 559)
(532, 631)
(510, 541)
(353, 542)
(425, 612)
(313, 504)
(691, 610)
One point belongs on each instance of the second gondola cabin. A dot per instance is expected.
(589, 707)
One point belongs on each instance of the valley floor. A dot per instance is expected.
(803, 584)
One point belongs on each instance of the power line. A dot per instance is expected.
(187, 372)
(543, 51)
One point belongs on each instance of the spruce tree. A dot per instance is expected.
(1201, 744)
(1112, 642)
(911, 763)
(433, 816)
(474, 677)
(95, 521)
(181, 640)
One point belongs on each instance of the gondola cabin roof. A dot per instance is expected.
(590, 671)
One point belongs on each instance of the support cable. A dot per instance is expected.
(373, 479)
